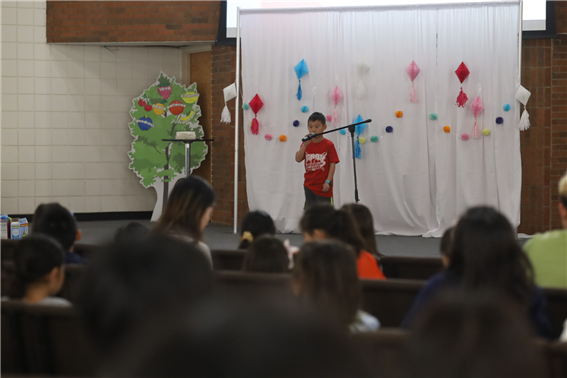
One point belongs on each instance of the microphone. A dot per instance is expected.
(306, 138)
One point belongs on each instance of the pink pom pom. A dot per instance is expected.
(268, 136)
(255, 126)
(329, 118)
(465, 136)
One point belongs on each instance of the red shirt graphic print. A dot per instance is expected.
(318, 157)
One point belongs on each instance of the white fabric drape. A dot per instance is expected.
(418, 179)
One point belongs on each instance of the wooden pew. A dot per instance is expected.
(8, 246)
(45, 340)
(388, 300)
(410, 268)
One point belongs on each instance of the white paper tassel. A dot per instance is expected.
(524, 121)
(225, 116)
(360, 90)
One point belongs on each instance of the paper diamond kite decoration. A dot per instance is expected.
(462, 73)
(256, 104)
(412, 71)
(301, 70)
(477, 107)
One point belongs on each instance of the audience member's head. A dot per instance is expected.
(445, 246)
(266, 254)
(244, 340)
(484, 254)
(133, 278)
(132, 230)
(56, 221)
(321, 222)
(365, 224)
(39, 269)
(188, 209)
(563, 200)
(325, 279)
(472, 336)
(254, 224)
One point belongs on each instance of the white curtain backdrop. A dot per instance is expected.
(418, 179)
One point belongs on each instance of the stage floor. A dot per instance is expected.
(221, 237)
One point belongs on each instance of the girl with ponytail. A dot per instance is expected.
(39, 271)
(321, 222)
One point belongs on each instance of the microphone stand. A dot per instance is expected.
(351, 128)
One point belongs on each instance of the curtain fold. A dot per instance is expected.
(417, 179)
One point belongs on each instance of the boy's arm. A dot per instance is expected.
(299, 155)
(326, 185)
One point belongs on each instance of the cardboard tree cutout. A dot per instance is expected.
(159, 113)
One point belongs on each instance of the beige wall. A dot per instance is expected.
(65, 115)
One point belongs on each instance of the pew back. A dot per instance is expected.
(50, 340)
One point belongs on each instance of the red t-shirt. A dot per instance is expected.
(368, 267)
(318, 157)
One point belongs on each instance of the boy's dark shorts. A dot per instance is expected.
(312, 198)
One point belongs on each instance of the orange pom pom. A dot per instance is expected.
(399, 114)
(283, 138)
(447, 129)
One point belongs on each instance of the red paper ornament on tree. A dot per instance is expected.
(256, 104)
(462, 73)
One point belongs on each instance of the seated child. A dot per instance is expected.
(266, 254)
(132, 230)
(254, 224)
(445, 246)
(56, 221)
(39, 271)
(325, 280)
(365, 224)
(325, 222)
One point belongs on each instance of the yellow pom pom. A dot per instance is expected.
(486, 132)
(362, 140)
(283, 138)
(399, 114)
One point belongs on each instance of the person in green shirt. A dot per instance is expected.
(548, 251)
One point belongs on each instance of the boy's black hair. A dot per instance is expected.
(257, 223)
(134, 278)
(132, 230)
(266, 254)
(34, 257)
(316, 116)
(56, 221)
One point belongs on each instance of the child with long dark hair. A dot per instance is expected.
(484, 255)
(325, 279)
(39, 271)
(321, 222)
(188, 212)
(365, 224)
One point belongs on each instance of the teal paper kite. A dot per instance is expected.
(300, 70)
(359, 129)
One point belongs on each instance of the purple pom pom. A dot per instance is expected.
(389, 129)
(295, 123)
(499, 120)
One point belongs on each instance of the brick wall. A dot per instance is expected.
(544, 145)
(544, 73)
(224, 73)
(132, 21)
